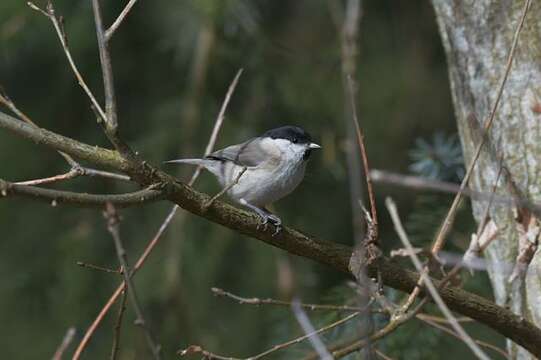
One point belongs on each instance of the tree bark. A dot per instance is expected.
(327, 253)
(477, 36)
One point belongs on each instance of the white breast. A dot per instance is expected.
(273, 179)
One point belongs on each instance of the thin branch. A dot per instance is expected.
(73, 173)
(97, 267)
(218, 123)
(104, 174)
(439, 319)
(66, 341)
(75, 168)
(431, 322)
(122, 287)
(93, 154)
(421, 183)
(430, 285)
(364, 236)
(307, 327)
(449, 219)
(395, 323)
(398, 316)
(348, 32)
(113, 226)
(195, 349)
(165, 224)
(111, 126)
(107, 71)
(57, 197)
(225, 189)
(382, 355)
(486, 214)
(4, 99)
(49, 12)
(268, 301)
(485, 226)
(118, 325)
(116, 24)
(364, 157)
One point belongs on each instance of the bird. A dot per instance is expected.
(261, 170)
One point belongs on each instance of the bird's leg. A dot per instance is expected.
(275, 220)
(266, 217)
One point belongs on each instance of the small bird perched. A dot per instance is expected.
(265, 168)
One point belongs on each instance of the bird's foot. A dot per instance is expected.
(266, 217)
(274, 220)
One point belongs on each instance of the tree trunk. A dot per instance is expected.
(477, 36)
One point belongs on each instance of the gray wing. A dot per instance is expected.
(249, 153)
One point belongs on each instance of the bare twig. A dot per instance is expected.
(76, 168)
(348, 30)
(105, 174)
(225, 189)
(116, 24)
(449, 219)
(486, 214)
(97, 267)
(73, 173)
(420, 183)
(56, 197)
(111, 125)
(396, 321)
(49, 12)
(113, 227)
(435, 324)
(66, 341)
(429, 284)
(382, 355)
(268, 301)
(218, 123)
(122, 287)
(442, 320)
(107, 71)
(529, 233)
(4, 99)
(364, 157)
(118, 325)
(364, 236)
(194, 349)
(308, 328)
(164, 225)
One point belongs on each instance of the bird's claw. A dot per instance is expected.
(271, 218)
(275, 220)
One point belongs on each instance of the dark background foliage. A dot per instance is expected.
(173, 62)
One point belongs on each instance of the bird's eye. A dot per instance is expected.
(294, 140)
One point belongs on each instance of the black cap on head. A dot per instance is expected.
(294, 134)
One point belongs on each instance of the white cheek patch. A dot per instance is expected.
(282, 144)
(289, 149)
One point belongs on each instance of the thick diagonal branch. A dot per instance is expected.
(328, 253)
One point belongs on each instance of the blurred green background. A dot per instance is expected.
(173, 62)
